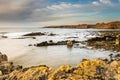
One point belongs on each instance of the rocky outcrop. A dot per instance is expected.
(5, 66)
(39, 34)
(87, 70)
(106, 41)
(34, 34)
(51, 43)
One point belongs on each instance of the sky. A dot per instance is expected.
(57, 12)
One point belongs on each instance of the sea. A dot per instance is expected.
(20, 53)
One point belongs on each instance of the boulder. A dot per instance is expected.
(1, 73)
(117, 41)
(4, 57)
(69, 43)
(50, 42)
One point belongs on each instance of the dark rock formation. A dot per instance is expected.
(51, 43)
(106, 41)
(34, 34)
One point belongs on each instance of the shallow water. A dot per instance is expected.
(20, 53)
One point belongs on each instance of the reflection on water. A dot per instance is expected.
(20, 53)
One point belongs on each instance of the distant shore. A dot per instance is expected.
(109, 25)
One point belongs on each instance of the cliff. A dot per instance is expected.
(109, 25)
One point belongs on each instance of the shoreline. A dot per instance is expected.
(109, 25)
(87, 69)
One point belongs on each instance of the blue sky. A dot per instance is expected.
(57, 12)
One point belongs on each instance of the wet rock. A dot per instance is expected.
(1, 73)
(34, 34)
(70, 43)
(51, 43)
(30, 45)
(42, 44)
(51, 34)
(34, 37)
(104, 40)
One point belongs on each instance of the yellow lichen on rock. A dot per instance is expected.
(86, 70)
(89, 67)
(65, 68)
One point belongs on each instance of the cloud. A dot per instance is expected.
(39, 11)
(106, 1)
(63, 6)
(96, 3)
(18, 10)
(102, 3)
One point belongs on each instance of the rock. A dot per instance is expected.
(69, 43)
(33, 37)
(42, 44)
(34, 34)
(4, 57)
(1, 73)
(117, 42)
(18, 67)
(30, 45)
(51, 34)
(50, 42)
(65, 68)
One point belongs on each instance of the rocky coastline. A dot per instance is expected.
(109, 25)
(87, 69)
(94, 69)
(107, 40)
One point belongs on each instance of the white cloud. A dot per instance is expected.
(102, 3)
(64, 15)
(106, 2)
(96, 3)
(63, 6)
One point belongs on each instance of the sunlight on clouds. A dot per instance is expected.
(96, 3)
(48, 12)
(63, 6)
(105, 1)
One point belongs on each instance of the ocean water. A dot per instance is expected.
(20, 53)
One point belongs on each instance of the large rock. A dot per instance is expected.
(69, 43)
(3, 57)
(5, 66)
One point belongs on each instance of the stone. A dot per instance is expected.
(4, 57)
(50, 42)
(117, 42)
(1, 73)
(65, 68)
(69, 43)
